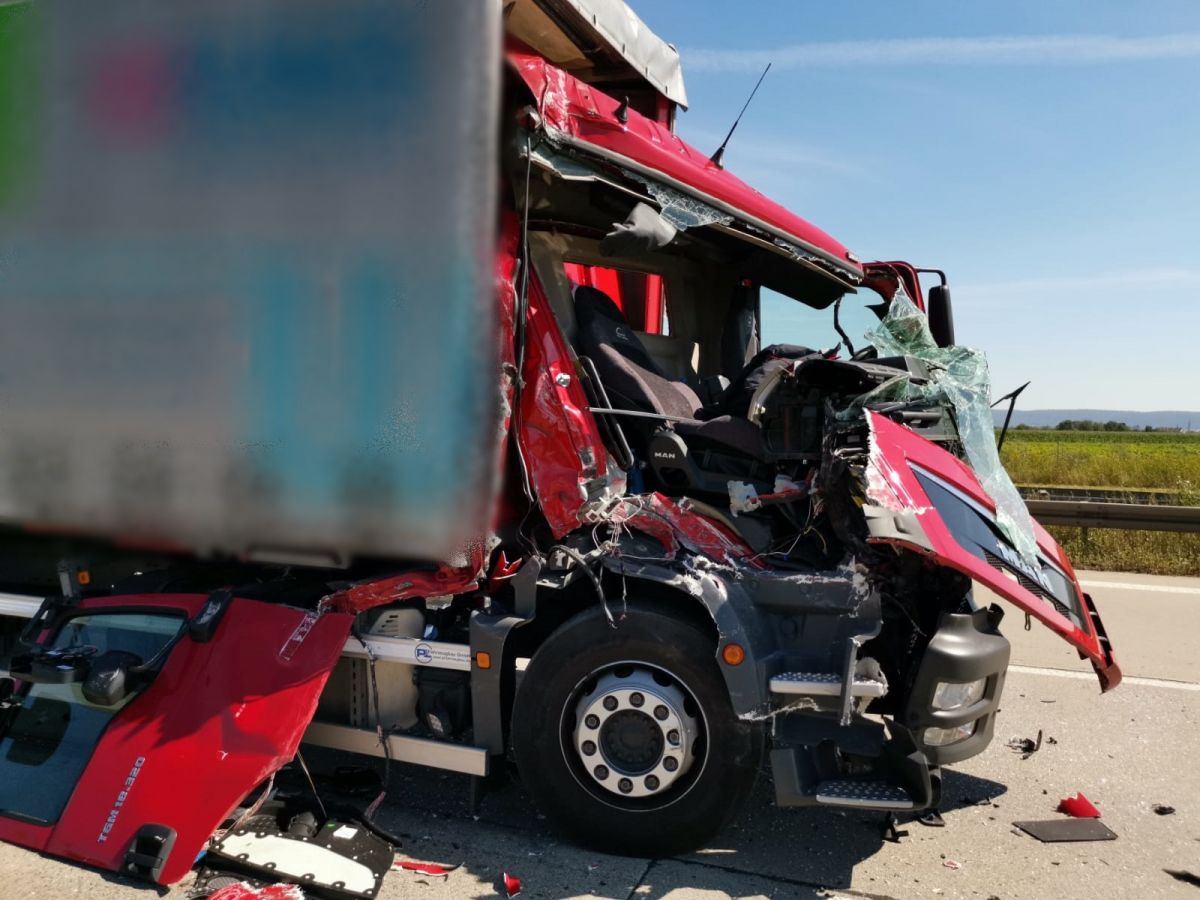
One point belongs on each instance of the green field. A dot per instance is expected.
(1131, 460)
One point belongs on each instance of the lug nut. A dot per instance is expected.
(652, 782)
(673, 736)
(589, 747)
(636, 699)
(601, 772)
(592, 721)
(661, 713)
(670, 764)
(610, 703)
(625, 785)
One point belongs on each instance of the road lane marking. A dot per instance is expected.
(1133, 586)
(1090, 676)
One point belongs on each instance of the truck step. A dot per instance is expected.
(823, 684)
(868, 794)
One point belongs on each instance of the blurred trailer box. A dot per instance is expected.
(246, 266)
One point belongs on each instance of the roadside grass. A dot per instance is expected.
(1125, 460)
(1150, 552)
(1155, 460)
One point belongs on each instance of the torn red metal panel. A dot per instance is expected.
(893, 482)
(219, 718)
(674, 522)
(583, 113)
(560, 442)
(437, 581)
(887, 277)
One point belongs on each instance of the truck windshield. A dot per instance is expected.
(788, 321)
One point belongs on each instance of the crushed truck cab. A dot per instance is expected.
(662, 552)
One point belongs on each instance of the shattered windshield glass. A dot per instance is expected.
(959, 379)
(679, 209)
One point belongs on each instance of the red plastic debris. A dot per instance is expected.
(503, 569)
(243, 891)
(1079, 807)
(952, 864)
(512, 886)
(423, 868)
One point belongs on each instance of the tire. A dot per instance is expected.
(652, 653)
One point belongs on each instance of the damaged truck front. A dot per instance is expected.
(693, 553)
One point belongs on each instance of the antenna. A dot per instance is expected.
(716, 158)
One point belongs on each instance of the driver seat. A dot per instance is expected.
(682, 451)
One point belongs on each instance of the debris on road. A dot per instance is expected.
(1026, 746)
(244, 891)
(952, 864)
(1078, 807)
(968, 800)
(1053, 831)
(421, 868)
(932, 818)
(512, 886)
(1161, 810)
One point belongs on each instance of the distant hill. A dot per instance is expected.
(1048, 418)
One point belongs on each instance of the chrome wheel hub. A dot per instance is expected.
(633, 734)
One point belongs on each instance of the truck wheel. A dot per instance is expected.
(626, 737)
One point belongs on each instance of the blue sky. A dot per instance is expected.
(1046, 155)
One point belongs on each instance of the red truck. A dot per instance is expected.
(697, 554)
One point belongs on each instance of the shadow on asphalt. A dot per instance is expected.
(808, 848)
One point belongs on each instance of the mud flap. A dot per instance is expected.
(139, 786)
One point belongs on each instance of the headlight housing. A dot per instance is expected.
(958, 695)
(941, 737)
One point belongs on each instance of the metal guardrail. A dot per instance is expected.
(1127, 516)
(1144, 496)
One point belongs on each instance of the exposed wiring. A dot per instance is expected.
(267, 790)
(311, 784)
(519, 314)
(595, 579)
(369, 812)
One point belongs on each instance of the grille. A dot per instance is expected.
(1028, 583)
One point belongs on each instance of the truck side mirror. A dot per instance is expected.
(941, 315)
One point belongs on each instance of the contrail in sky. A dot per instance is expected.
(1038, 50)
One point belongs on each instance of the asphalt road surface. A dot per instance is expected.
(1127, 751)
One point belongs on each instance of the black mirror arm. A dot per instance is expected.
(837, 308)
(1011, 397)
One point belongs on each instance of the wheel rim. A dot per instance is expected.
(635, 735)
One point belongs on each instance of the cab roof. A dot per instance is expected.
(587, 121)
